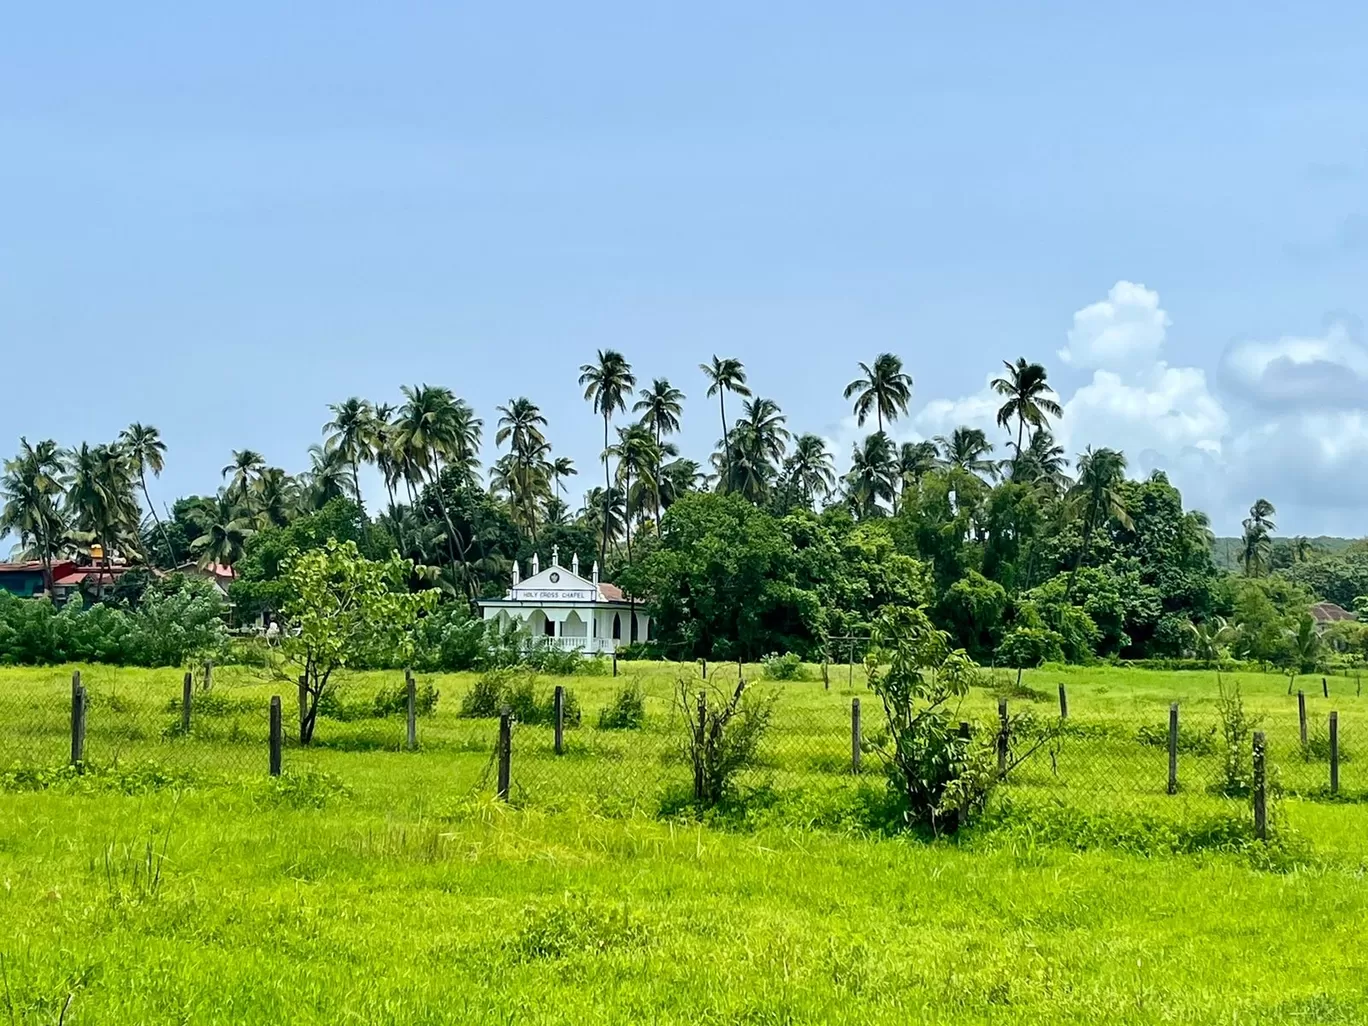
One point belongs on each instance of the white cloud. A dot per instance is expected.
(1126, 329)
(1293, 371)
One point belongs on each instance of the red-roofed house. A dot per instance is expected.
(26, 579)
(570, 610)
(221, 575)
(95, 582)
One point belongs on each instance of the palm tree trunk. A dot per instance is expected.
(627, 513)
(441, 505)
(1021, 428)
(142, 479)
(726, 445)
(607, 490)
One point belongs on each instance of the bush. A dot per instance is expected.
(393, 701)
(1191, 740)
(517, 689)
(725, 738)
(1237, 733)
(783, 667)
(627, 711)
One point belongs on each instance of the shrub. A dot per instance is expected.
(517, 689)
(393, 701)
(783, 667)
(627, 711)
(1030, 646)
(1317, 747)
(1191, 740)
(724, 736)
(1237, 733)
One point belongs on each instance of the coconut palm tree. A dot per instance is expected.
(224, 531)
(1209, 637)
(1302, 549)
(562, 466)
(146, 451)
(1256, 547)
(660, 406)
(604, 514)
(883, 388)
(724, 375)
(328, 477)
(638, 455)
(32, 489)
(273, 499)
(246, 467)
(765, 422)
(968, 449)
(809, 470)
(428, 427)
(520, 423)
(352, 433)
(915, 461)
(1041, 462)
(1030, 399)
(1097, 493)
(607, 386)
(100, 500)
(873, 471)
(677, 478)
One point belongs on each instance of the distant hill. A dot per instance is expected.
(1225, 552)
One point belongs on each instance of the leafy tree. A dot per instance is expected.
(246, 466)
(968, 448)
(872, 475)
(973, 609)
(1256, 546)
(883, 387)
(223, 532)
(344, 608)
(809, 473)
(1097, 495)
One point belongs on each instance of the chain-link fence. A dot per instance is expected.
(625, 742)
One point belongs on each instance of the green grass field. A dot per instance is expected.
(395, 889)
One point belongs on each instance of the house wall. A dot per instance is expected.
(592, 625)
(24, 583)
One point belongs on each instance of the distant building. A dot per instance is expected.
(221, 576)
(94, 582)
(569, 611)
(26, 579)
(1326, 613)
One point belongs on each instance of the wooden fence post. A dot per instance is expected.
(705, 669)
(961, 813)
(208, 675)
(850, 676)
(739, 675)
(1260, 793)
(276, 732)
(614, 662)
(1002, 737)
(1063, 702)
(505, 752)
(855, 735)
(187, 696)
(1301, 715)
(78, 719)
(1334, 753)
(559, 709)
(700, 740)
(1173, 749)
(411, 693)
(1325, 687)
(826, 670)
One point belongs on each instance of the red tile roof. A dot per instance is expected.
(611, 593)
(1328, 612)
(109, 574)
(27, 567)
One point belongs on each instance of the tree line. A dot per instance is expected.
(1014, 547)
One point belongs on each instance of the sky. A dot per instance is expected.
(218, 219)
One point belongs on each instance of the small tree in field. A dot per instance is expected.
(343, 608)
(939, 775)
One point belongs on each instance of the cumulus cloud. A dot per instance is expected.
(1300, 373)
(1124, 330)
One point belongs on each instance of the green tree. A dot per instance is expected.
(872, 475)
(1257, 543)
(344, 608)
(882, 387)
(224, 531)
(968, 448)
(245, 467)
(809, 473)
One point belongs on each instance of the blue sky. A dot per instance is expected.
(220, 220)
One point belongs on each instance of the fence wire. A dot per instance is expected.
(624, 743)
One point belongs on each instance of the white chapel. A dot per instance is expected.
(558, 606)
